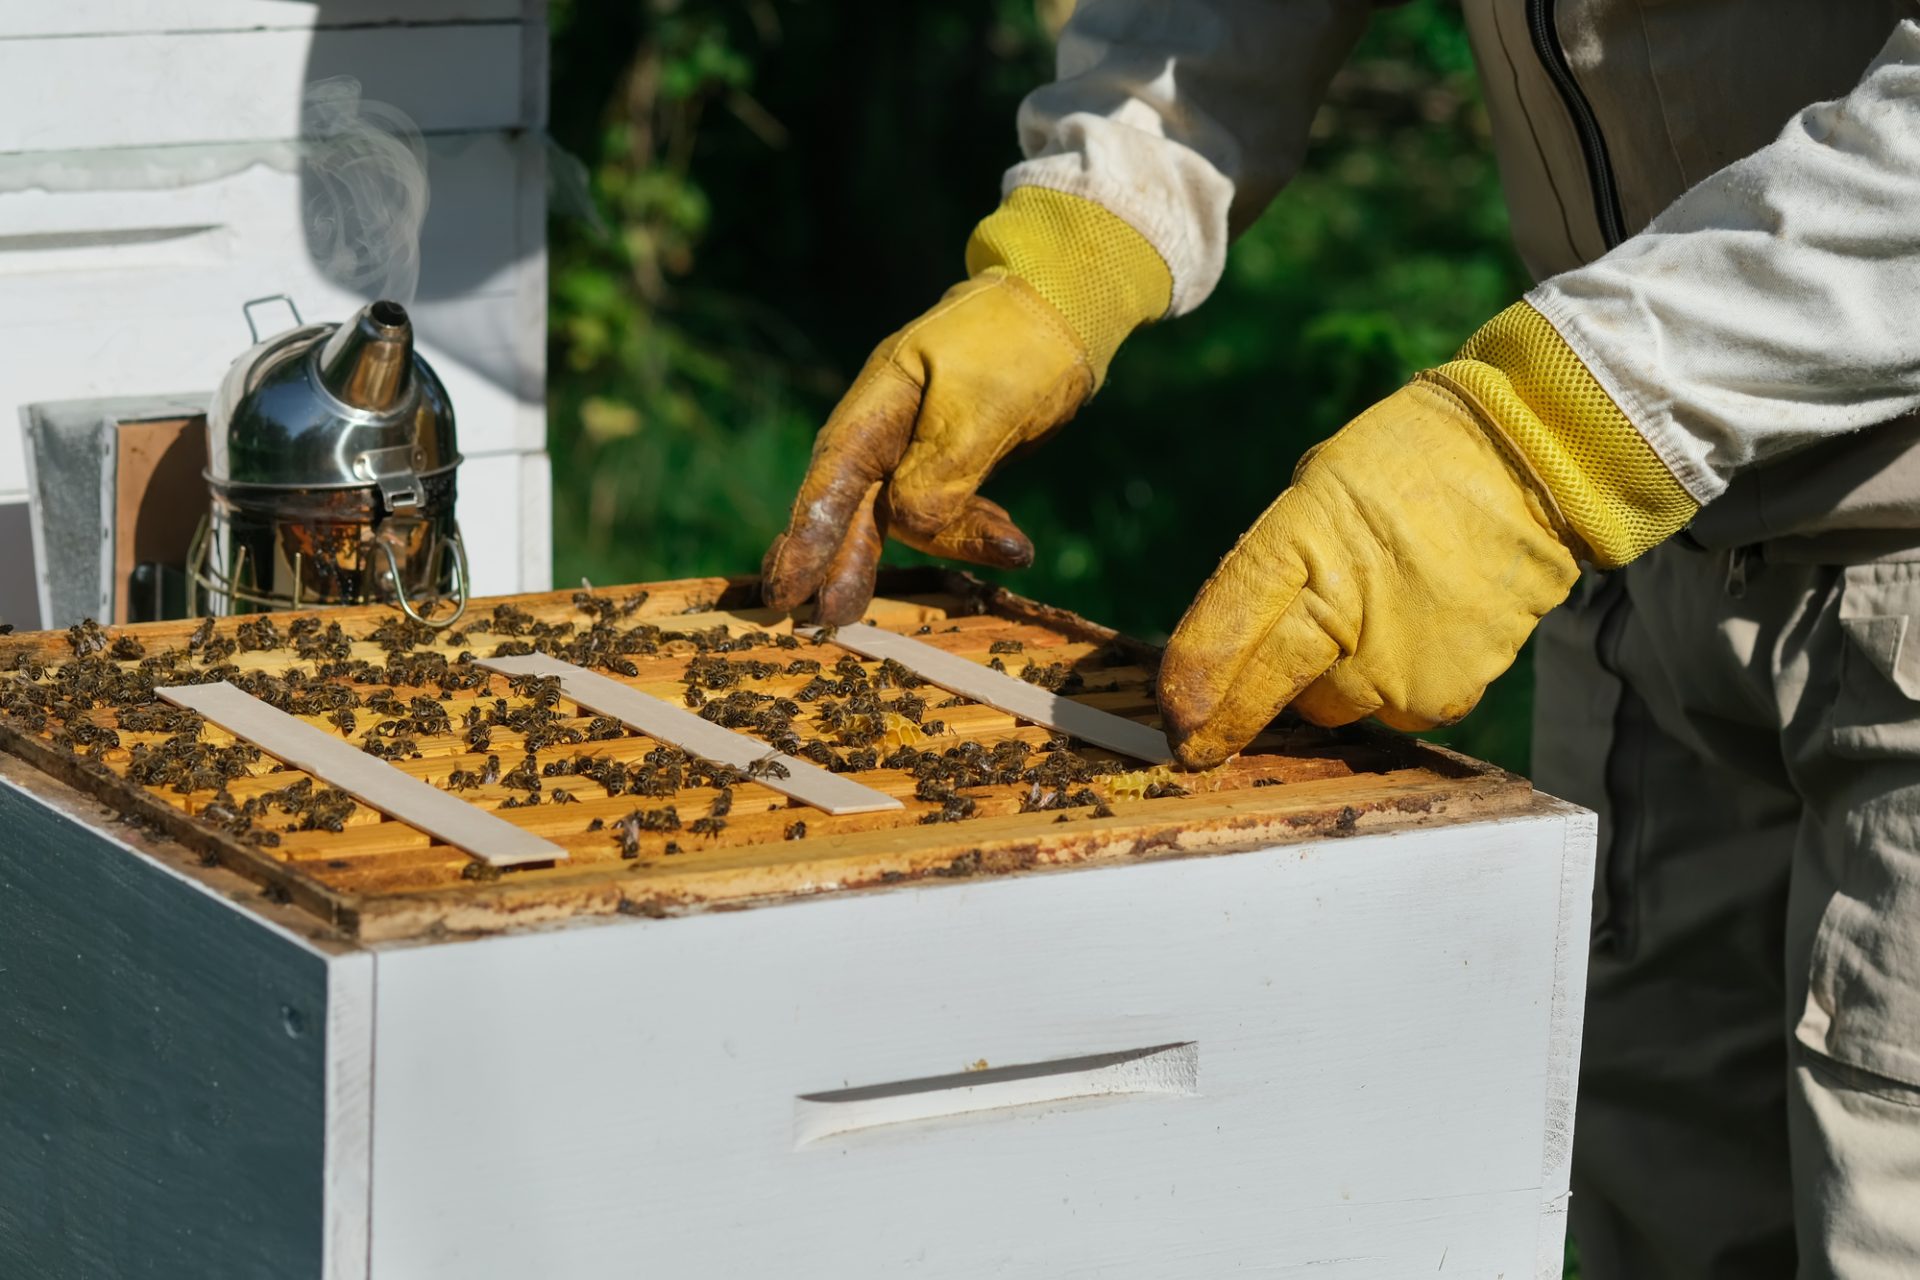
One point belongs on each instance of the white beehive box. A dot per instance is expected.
(148, 187)
(1318, 1016)
(1367, 1068)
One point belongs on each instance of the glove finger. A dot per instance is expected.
(953, 449)
(1348, 693)
(848, 584)
(1414, 722)
(861, 443)
(1288, 659)
(1247, 646)
(1329, 704)
(983, 533)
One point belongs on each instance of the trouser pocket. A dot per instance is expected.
(1856, 1154)
(1876, 710)
(1861, 863)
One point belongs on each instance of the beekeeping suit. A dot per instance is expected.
(1708, 401)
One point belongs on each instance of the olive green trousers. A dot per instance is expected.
(1749, 733)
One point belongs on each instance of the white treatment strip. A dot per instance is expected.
(969, 679)
(805, 782)
(367, 779)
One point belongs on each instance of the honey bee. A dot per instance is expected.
(768, 766)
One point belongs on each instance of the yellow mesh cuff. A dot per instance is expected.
(1099, 273)
(1611, 488)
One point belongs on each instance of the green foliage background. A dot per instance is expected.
(769, 188)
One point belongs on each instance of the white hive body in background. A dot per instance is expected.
(151, 182)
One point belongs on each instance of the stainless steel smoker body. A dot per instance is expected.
(331, 457)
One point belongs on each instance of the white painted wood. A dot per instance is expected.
(1355, 1059)
(106, 291)
(1030, 702)
(807, 783)
(504, 508)
(491, 418)
(240, 206)
(347, 1185)
(1382, 1022)
(234, 86)
(536, 521)
(1173, 1068)
(1564, 1027)
(370, 780)
(114, 17)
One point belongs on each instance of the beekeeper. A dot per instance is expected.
(1702, 400)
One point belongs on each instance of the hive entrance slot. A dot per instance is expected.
(1161, 1069)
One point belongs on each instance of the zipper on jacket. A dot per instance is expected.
(1593, 147)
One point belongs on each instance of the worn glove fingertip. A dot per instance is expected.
(842, 603)
(1203, 750)
(1185, 710)
(780, 587)
(1009, 553)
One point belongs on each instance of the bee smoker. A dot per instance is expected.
(331, 458)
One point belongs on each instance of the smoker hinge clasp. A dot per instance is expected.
(391, 469)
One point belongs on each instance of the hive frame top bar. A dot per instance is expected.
(805, 782)
(371, 781)
(1016, 697)
(402, 886)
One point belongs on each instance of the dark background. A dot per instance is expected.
(764, 190)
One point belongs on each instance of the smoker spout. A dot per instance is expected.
(368, 362)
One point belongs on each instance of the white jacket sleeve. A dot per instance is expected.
(1775, 304)
(1184, 117)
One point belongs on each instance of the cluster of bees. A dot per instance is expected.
(858, 718)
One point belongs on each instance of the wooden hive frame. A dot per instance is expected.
(376, 879)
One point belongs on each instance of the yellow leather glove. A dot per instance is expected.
(1001, 361)
(1418, 547)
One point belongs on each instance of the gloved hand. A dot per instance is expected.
(1001, 361)
(1418, 547)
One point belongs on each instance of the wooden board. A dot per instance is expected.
(661, 720)
(156, 465)
(961, 675)
(125, 277)
(1343, 1058)
(157, 1060)
(19, 601)
(967, 811)
(376, 784)
(118, 17)
(231, 86)
(1378, 1031)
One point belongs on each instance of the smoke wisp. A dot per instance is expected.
(365, 190)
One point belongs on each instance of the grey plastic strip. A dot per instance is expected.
(658, 719)
(1016, 697)
(367, 779)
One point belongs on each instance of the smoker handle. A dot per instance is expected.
(246, 309)
(459, 547)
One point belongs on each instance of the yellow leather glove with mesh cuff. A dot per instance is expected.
(1001, 361)
(1418, 547)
